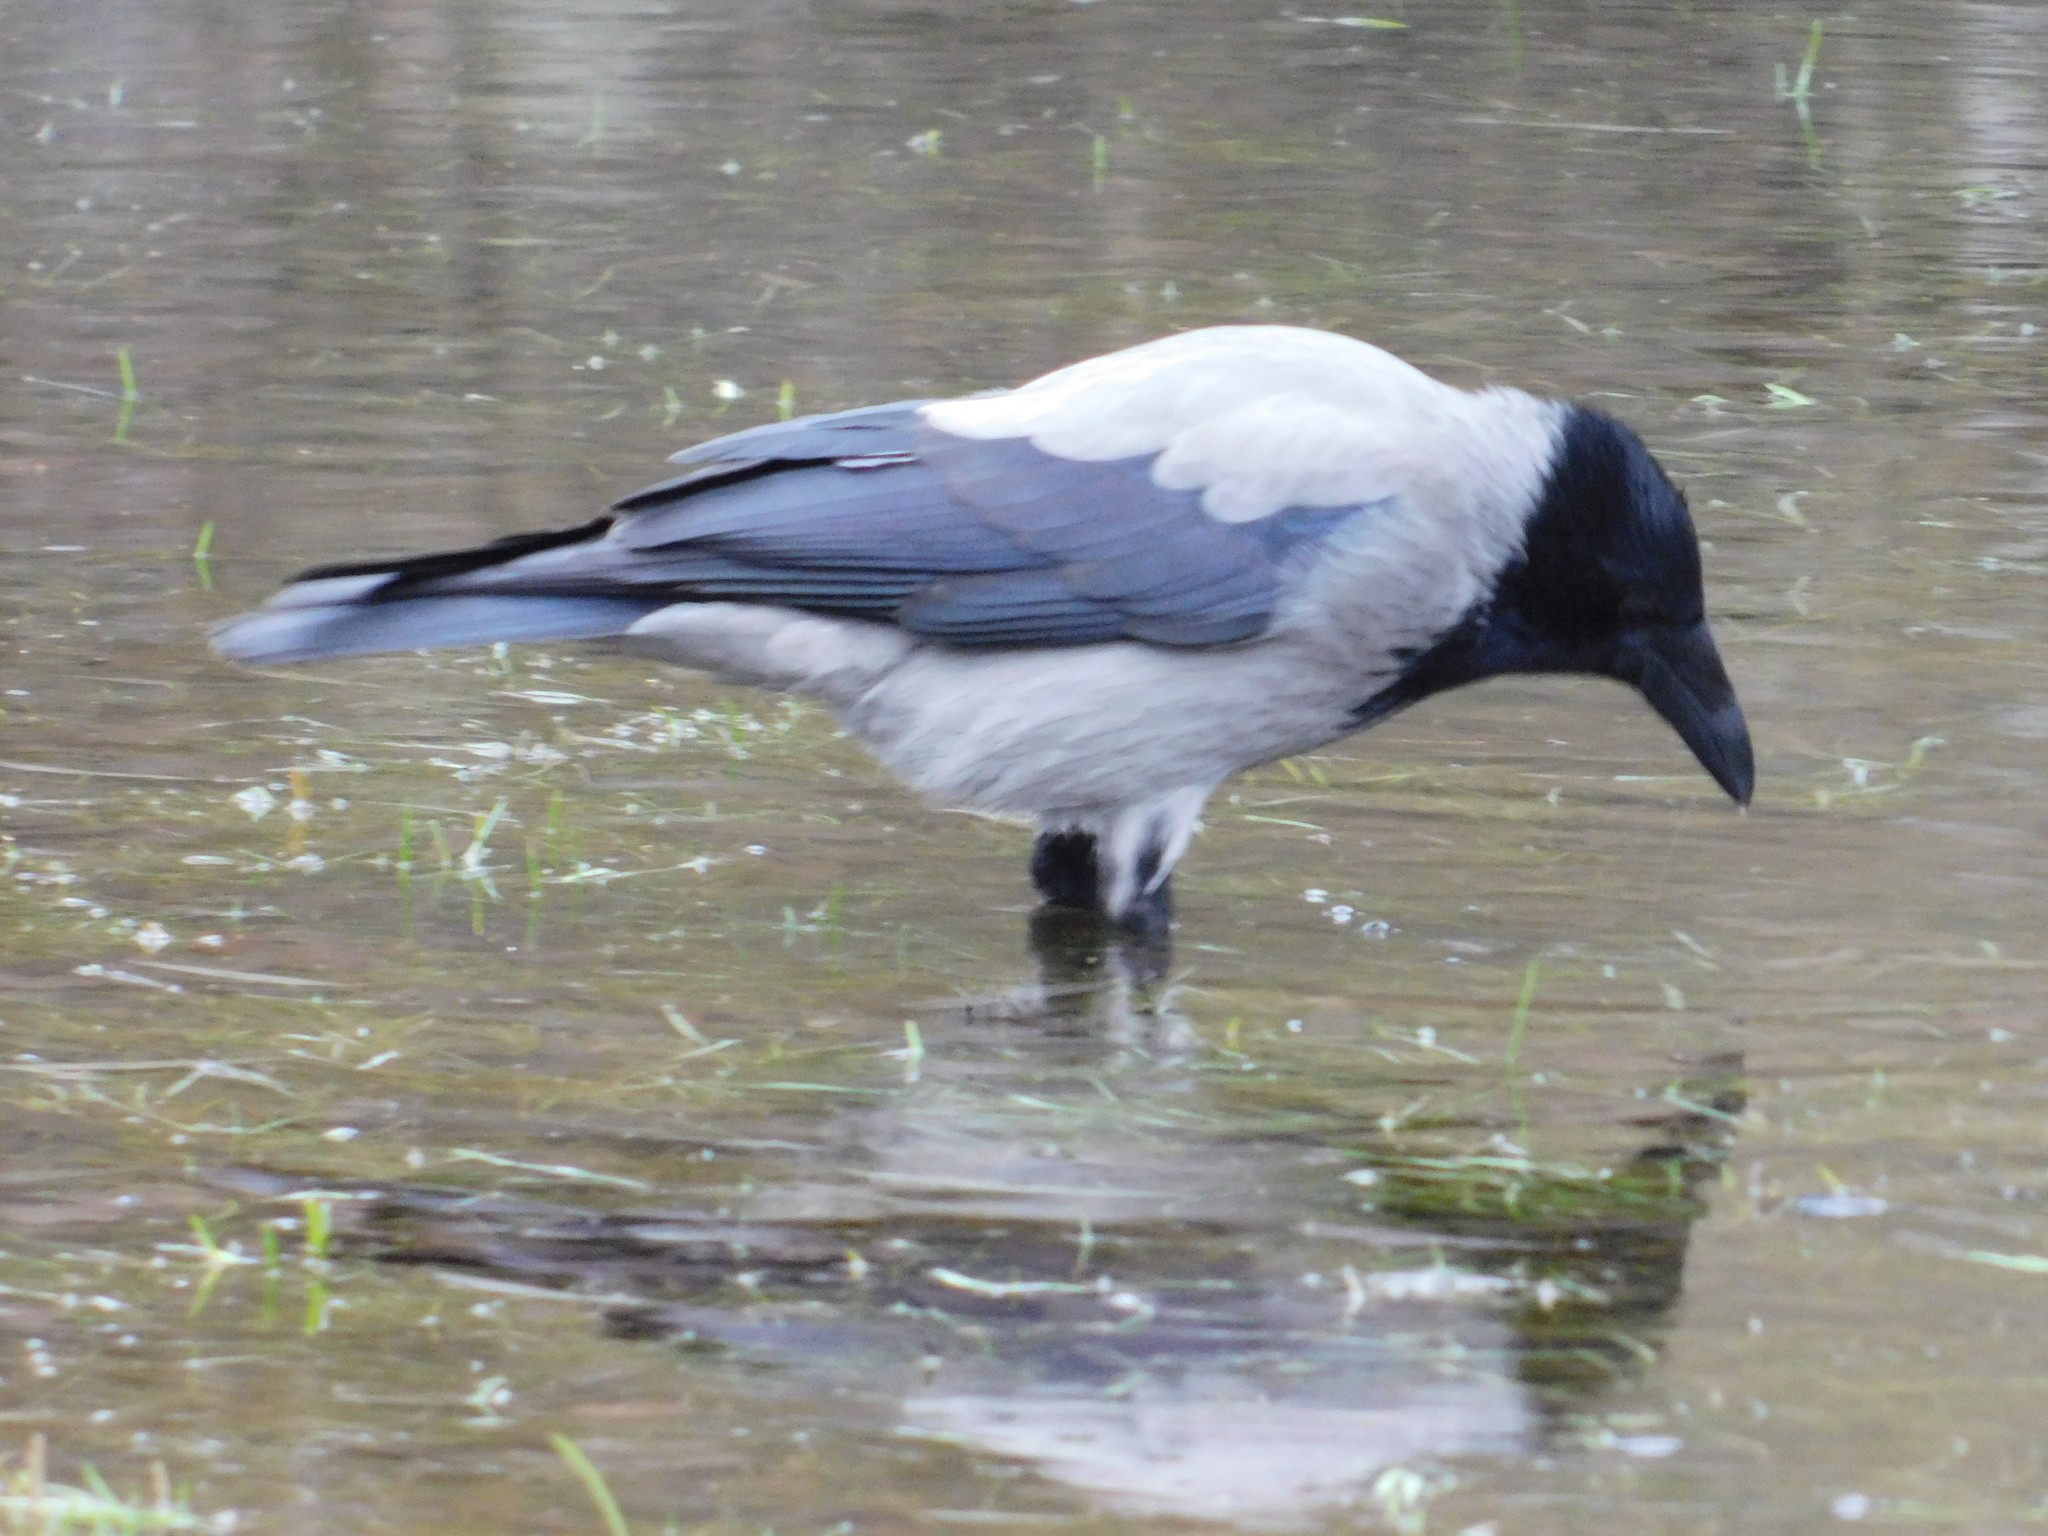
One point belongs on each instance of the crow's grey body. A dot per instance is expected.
(1088, 600)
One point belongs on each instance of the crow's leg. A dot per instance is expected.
(1117, 865)
(1149, 916)
(1064, 869)
(1139, 846)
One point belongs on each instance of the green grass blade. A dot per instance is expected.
(1522, 1005)
(593, 1482)
(1803, 82)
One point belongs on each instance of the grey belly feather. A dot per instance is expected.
(1121, 740)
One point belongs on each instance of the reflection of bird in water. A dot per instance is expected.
(1143, 1299)
(1090, 600)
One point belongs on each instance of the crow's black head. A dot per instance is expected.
(1607, 581)
(1608, 548)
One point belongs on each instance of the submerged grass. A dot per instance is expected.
(30, 1502)
(1799, 91)
(1529, 1191)
(130, 395)
(1522, 1005)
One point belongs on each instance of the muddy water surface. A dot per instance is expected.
(405, 1062)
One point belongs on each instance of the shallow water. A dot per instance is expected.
(670, 1081)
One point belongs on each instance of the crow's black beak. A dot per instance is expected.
(1680, 673)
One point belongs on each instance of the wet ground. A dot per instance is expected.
(406, 1063)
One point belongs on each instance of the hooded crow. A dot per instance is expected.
(1091, 599)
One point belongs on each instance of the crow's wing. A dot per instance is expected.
(879, 514)
(1173, 493)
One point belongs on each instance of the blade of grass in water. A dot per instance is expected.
(1799, 91)
(202, 555)
(593, 1481)
(1522, 1005)
(129, 395)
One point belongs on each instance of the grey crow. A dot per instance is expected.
(1091, 599)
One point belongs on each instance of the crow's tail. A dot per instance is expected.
(419, 604)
